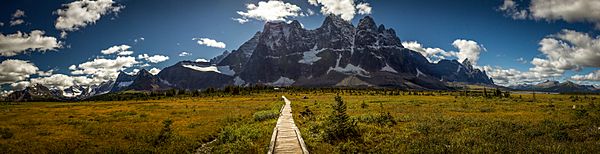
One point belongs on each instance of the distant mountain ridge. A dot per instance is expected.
(556, 86)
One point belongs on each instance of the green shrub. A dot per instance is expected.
(364, 105)
(265, 115)
(165, 133)
(561, 136)
(486, 109)
(381, 119)
(240, 138)
(5, 133)
(579, 113)
(307, 113)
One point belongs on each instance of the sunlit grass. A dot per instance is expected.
(456, 124)
(131, 126)
(431, 122)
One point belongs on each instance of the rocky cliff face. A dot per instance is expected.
(145, 81)
(335, 54)
(197, 75)
(238, 58)
(36, 92)
(338, 51)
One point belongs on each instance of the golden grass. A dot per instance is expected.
(445, 123)
(124, 126)
(442, 123)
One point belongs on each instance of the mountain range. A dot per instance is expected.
(337, 54)
(556, 86)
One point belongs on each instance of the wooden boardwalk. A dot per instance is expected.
(286, 136)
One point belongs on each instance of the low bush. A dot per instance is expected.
(265, 115)
(381, 119)
(5, 133)
(165, 133)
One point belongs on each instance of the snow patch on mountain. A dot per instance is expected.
(350, 70)
(419, 73)
(309, 57)
(282, 82)
(388, 68)
(203, 69)
(124, 84)
(73, 93)
(218, 69)
(226, 70)
(166, 82)
(238, 81)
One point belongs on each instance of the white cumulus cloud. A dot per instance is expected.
(552, 10)
(269, 11)
(183, 54)
(80, 13)
(567, 50)
(154, 58)
(210, 42)
(364, 8)
(511, 76)
(121, 50)
(15, 19)
(510, 8)
(432, 54)
(20, 85)
(14, 44)
(101, 69)
(346, 9)
(154, 71)
(18, 14)
(467, 49)
(16, 22)
(593, 76)
(13, 70)
(62, 81)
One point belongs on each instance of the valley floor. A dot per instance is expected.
(432, 122)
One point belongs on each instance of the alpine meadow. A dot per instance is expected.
(300, 76)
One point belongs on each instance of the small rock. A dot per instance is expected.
(574, 107)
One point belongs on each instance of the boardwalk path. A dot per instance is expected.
(286, 136)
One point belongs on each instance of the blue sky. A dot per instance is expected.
(168, 28)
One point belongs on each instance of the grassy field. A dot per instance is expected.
(432, 122)
(181, 125)
(453, 124)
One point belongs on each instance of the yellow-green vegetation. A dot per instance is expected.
(440, 122)
(359, 121)
(169, 125)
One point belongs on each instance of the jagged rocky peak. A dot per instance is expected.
(219, 58)
(335, 21)
(282, 27)
(295, 24)
(367, 23)
(467, 64)
(144, 72)
(368, 33)
(382, 29)
(278, 35)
